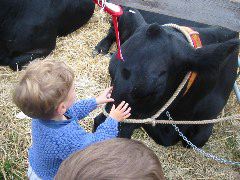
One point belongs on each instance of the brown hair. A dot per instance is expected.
(43, 86)
(118, 158)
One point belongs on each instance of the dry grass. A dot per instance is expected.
(92, 77)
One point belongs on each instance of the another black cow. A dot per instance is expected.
(28, 29)
(156, 60)
(131, 20)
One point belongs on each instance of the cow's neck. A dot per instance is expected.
(210, 35)
(194, 90)
(215, 35)
(183, 107)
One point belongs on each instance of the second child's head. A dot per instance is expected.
(116, 159)
(45, 89)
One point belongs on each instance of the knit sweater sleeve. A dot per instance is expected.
(83, 107)
(79, 139)
(106, 130)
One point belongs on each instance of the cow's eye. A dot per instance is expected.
(126, 73)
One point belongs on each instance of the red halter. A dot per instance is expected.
(115, 11)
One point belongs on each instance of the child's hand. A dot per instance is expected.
(104, 97)
(120, 113)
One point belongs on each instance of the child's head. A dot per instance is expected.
(43, 86)
(113, 159)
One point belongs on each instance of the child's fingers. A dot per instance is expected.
(124, 107)
(127, 111)
(120, 105)
(110, 100)
(113, 107)
(127, 116)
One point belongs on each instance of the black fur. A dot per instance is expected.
(28, 29)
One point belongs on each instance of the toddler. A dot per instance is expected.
(46, 93)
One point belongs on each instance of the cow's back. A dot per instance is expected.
(228, 70)
(151, 17)
(28, 29)
(73, 15)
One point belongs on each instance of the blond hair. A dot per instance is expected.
(116, 159)
(43, 86)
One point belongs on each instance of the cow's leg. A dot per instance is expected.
(126, 130)
(17, 62)
(104, 45)
(31, 42)
(37, 49)
(98, 120)
(127, 24)
(164, 135)
(4, 55)
(198, 135)
(4, 60)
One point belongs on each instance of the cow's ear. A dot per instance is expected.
(211, 58)
(154, 30)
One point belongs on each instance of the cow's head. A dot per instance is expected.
(156, 60)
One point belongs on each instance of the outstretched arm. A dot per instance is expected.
(76, 138)
(83, 107)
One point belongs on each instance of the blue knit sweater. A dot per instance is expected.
(53, 141)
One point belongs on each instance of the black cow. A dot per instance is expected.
(156, 60)
(28, 29)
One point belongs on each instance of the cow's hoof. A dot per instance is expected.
(95, 53)
(15, 67)
(102, 48)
